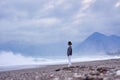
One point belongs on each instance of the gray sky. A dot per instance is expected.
(49, 21)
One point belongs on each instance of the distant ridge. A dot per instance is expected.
(98, 42)
(94, 44)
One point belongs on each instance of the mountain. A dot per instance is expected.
(96, 43)
(100, 43)
(36, 50)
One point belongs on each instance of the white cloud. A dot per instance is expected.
(117, 4)
(38, 22)
(44, 21)
(47, 7)
(28, 22)
(30, 30)
(52, 6)
(86, 4)
(9, 59)
(82, 13)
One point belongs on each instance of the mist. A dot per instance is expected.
(9, 58)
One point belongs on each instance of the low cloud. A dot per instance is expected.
(46, 21)
(9, 59)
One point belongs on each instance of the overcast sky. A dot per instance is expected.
(49, 21)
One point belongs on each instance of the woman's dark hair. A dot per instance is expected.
(69, 43)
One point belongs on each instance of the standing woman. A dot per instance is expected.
(69, 53)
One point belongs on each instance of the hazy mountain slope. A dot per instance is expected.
(98, 42)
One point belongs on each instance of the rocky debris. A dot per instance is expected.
(77, 75)
(118, 72)
(71, 68)
(102, 69)
(57, 78)
(57, 69)
(91, 71)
